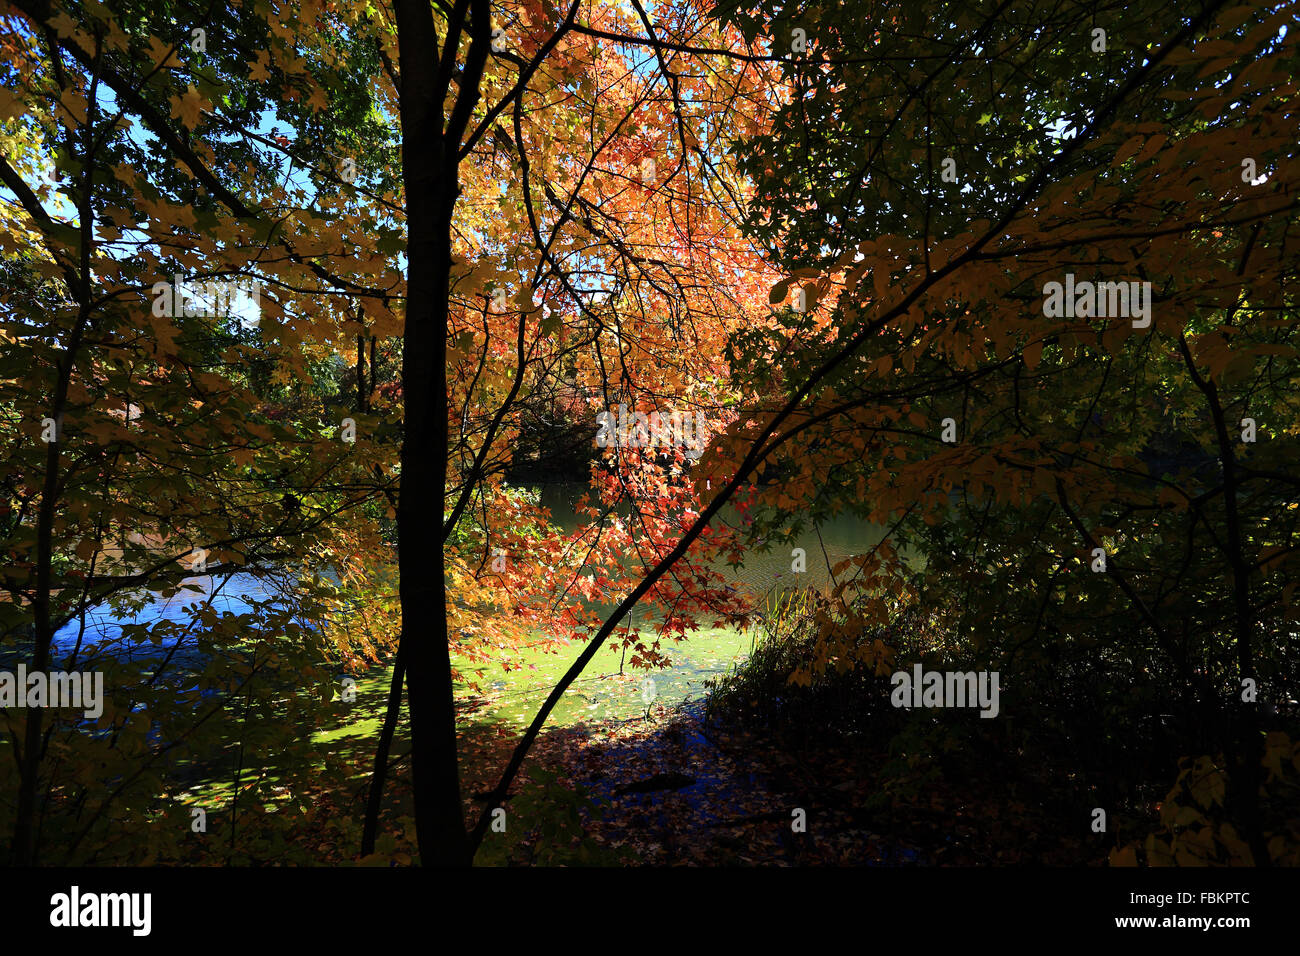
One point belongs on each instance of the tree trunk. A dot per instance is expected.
(23, 849)
(429, 171)
(371, 827)
(361, 373)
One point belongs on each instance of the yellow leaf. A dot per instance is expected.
(187, 108)
(117, 39)
(259, 73)
(64, 25)
(10, 105)
(1124, 857)
(75, 105)
(162, 54)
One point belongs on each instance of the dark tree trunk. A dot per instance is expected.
(370, 386)
(23, 850)
(371, 827)
(361, 373)
(429, 171)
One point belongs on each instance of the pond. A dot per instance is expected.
(237, 593)
(766, 568)
(609, 689)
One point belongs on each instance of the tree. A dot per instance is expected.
(447, 125)
(1070, 475)
(138, 456)
(671, 281)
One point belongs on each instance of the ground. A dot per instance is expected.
(612, 780)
